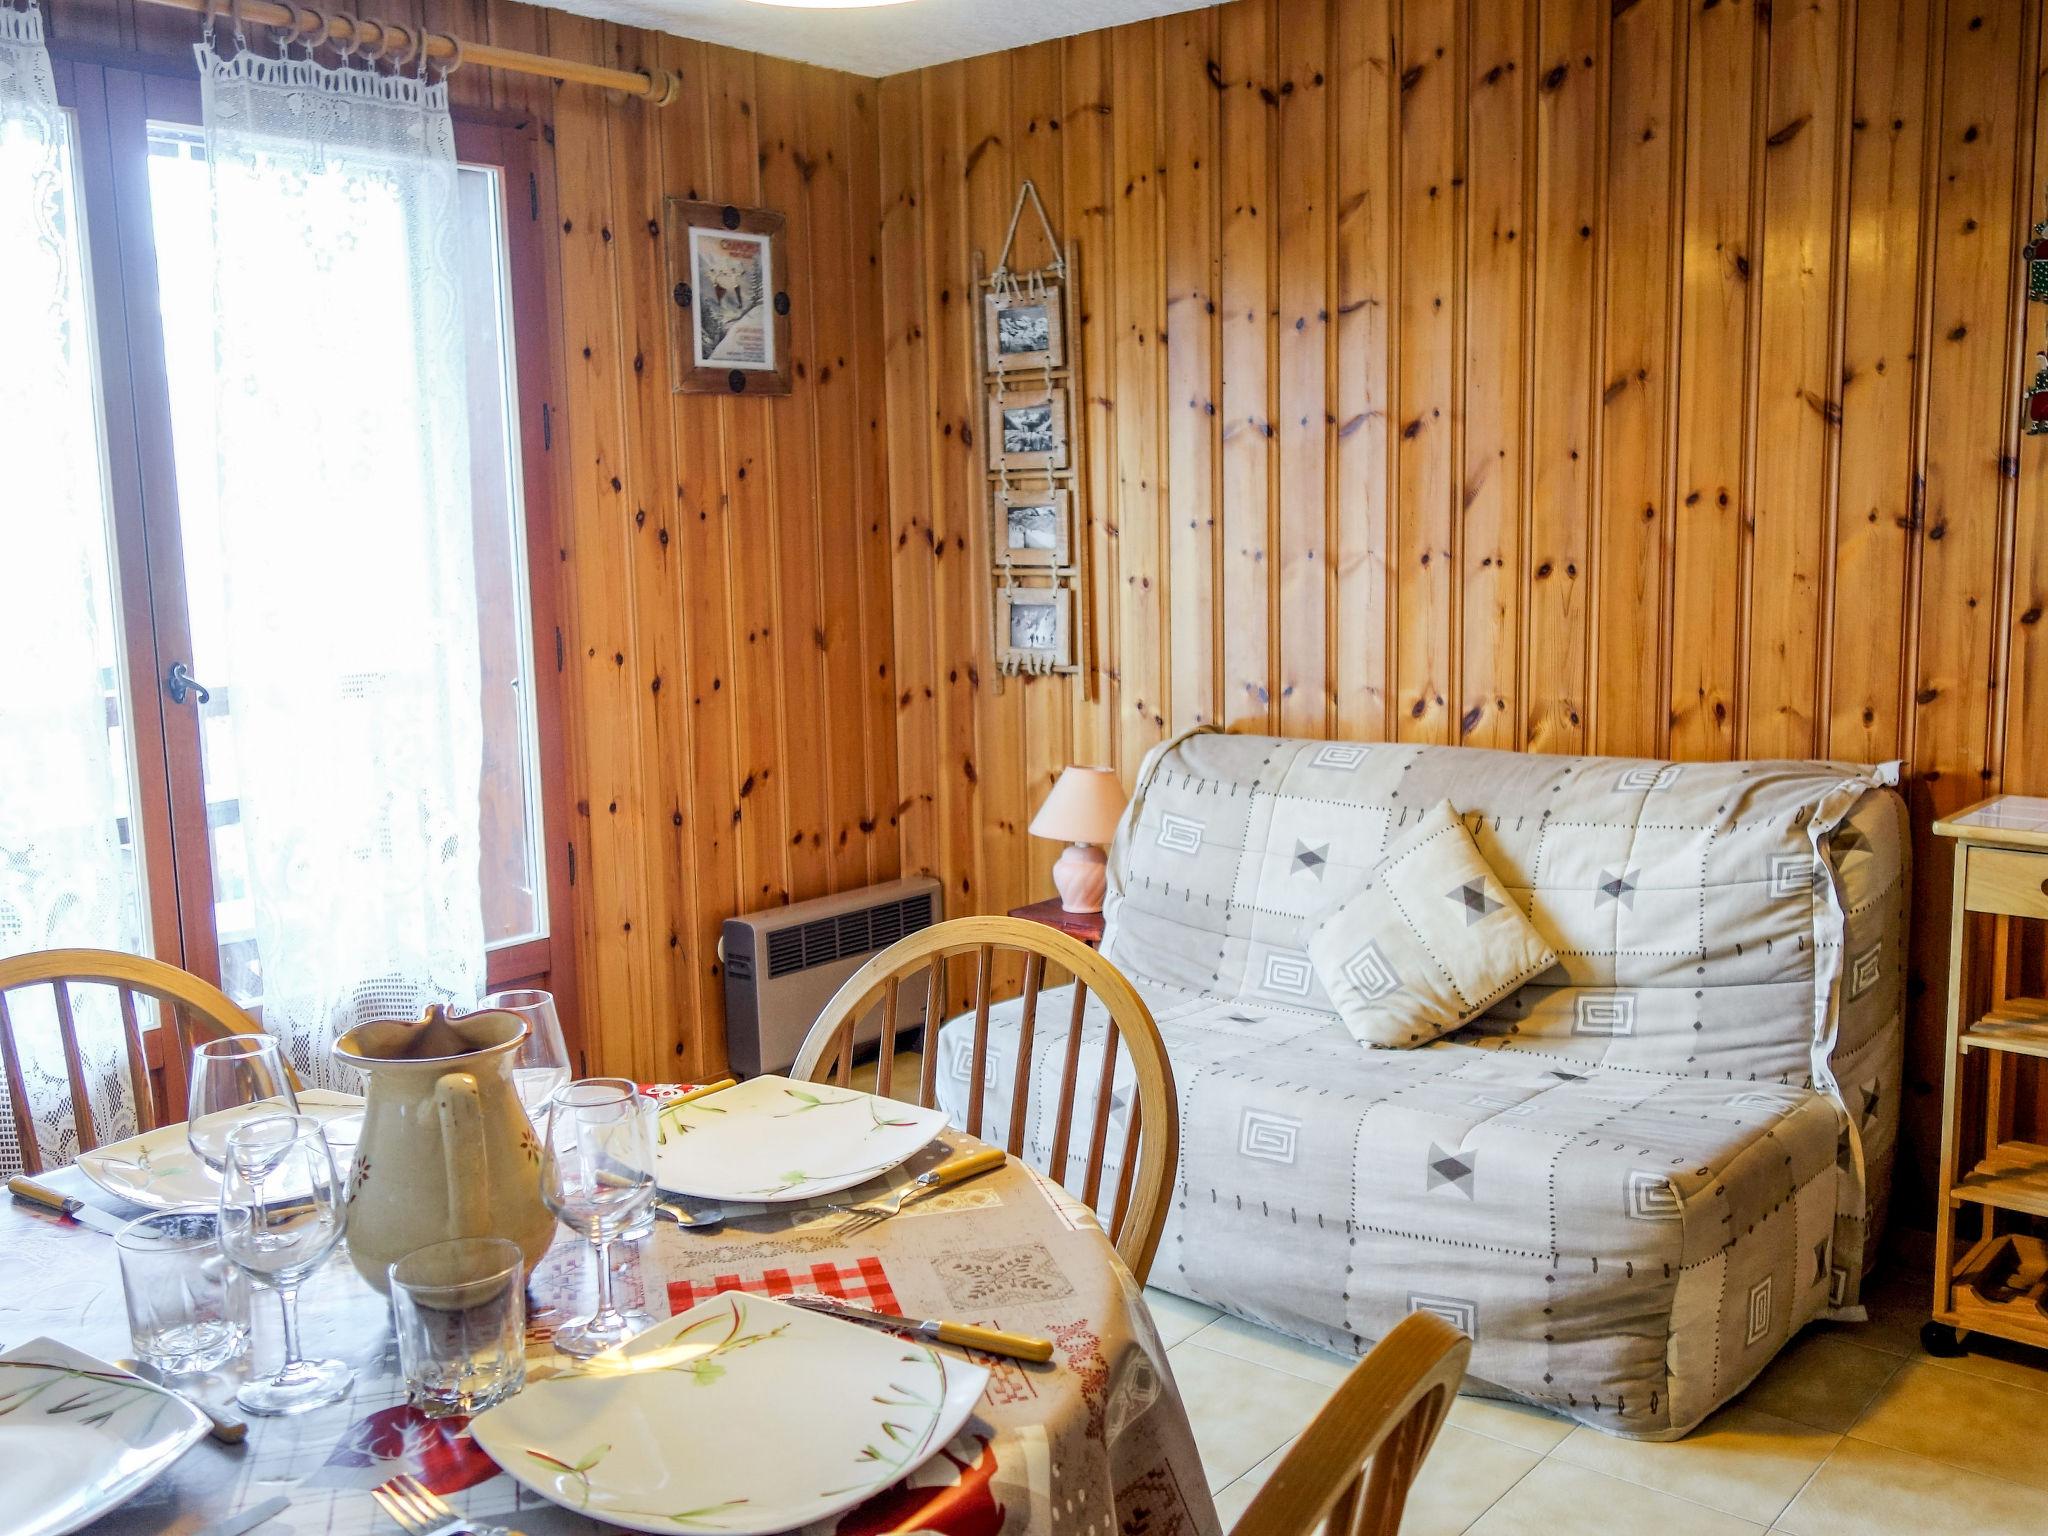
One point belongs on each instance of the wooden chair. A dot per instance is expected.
(1151, 1143)
(1353, 1466)
(194, 1010)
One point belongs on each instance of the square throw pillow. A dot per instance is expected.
(1430, 943)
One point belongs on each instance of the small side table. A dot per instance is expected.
(1085, 926)
(1990, 1278)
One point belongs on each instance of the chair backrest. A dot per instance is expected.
(194, 1011)
(1353, 1466)
(1151, 1143)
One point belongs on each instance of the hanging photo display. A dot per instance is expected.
(1034, 628)
(1032, 526)
(1027, 427)
(1024, 330)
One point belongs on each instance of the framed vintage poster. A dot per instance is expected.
(1032, 526)
(1034, 628)
(728, 277)
(1023, 329)
(1027, 428)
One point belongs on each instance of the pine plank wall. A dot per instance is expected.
(1632, 376)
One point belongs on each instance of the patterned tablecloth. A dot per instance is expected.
(1095, 1443)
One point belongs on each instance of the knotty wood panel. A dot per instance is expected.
(1655, 362)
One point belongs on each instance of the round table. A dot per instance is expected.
(1096, 1441)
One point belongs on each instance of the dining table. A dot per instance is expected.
(1094, 1442)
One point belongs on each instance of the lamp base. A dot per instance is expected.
(1081, 877)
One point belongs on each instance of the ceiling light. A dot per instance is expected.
(830, 5)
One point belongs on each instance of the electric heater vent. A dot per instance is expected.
(859, 933)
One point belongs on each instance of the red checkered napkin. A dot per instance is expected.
(862, 1282)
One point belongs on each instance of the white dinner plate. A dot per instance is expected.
(78, 1438)
(775, 1141)
(158, 1169)
(741, 1416)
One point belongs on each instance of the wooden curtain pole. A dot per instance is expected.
(656, 86)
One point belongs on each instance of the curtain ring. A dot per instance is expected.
(410, 50)
(454, 60)
(241, 33)
(309, 27)
(345, 45)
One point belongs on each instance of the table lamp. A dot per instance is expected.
(1082, 812)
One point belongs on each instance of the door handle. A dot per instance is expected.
(179, 681)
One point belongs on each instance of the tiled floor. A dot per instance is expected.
(1852, 1429)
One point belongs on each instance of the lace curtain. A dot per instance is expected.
(65, 878)
(342, 474)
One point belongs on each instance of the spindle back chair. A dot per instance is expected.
(194, 1010)
(1151, 1142)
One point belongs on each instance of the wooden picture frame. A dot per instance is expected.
(1027, 429)
(1034, 628)
(1031, 529)
(1023, 329)
(728, 275)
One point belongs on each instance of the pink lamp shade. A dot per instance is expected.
(1082, 812)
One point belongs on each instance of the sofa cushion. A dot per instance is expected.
(1428, 943)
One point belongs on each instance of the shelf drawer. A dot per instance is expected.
(2001, 880)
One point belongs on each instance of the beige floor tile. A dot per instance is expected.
(1177, 1317)
(1822, 1380)
(1972, 1422)
(1875, 1491)
(1241, 1412)
(1264, 1346)
(1533, 1429)
(1557, 1497)
(1233, 1501)
(1898, 1304)
(1741, 1461)
(1466, 1474)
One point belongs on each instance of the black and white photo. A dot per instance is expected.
(1030, 526)
(1034, 628)
(1024, 330)
(1027, 429)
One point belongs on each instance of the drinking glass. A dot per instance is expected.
(188, 1307)
(597, 1175)
(280, 1217)
(542, 1064)
(460, 1312)
(234, 1079)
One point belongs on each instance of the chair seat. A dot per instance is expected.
(1628, 1247)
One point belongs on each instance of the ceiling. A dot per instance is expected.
(883, 40)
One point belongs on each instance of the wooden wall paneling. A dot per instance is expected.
(1636, 316)
(1090, 222)
(1493, 454)
(1037, 131)
(1882, 273)
(1363, 115)
(913, 541)
(1799, 404)
(1188, 111)
(803, 734)
(1564, 224)
(841, 480)
(1431, 205)
(1302, 238)
(471, 89)
(2024, 761)
(1246, 115)
(1714, 346)
(1136, 272)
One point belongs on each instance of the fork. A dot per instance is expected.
(419, 1511)
(860, 1217)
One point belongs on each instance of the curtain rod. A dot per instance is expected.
(656, 86)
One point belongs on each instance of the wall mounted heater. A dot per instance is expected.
(783, 965)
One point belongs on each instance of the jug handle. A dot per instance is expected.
(460, 1109)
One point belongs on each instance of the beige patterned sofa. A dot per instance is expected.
(1632, 1181)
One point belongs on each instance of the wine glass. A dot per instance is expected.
(542, 1064)
(280, 1217)
(234, 1079)
(597, 1175)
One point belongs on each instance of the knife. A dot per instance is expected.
(990, 1341)
(248, 1519)
(29, 1192)
(228, 1427)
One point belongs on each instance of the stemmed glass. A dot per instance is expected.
(542, 1064)
(234, 1079)
(597, 1175)
(280, 1217)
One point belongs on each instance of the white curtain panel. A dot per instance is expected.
(64, 878)
(344, 507)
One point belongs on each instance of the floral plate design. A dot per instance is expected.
(739, 1417)
(774, 1141)
(159, 1170)
(79, 1438)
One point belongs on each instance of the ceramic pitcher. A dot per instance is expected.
(446, 1148)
